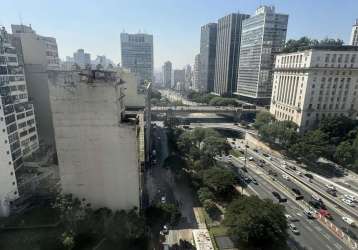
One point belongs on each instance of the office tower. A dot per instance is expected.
(196, 74)
(167, 75)
(263, 35)
(100, 149)
(188, 77)
(227, 53)
(82, 59)
(137, 54)
(354, 36)
(32, 40)
(179, 76)
(39, 55)
(207, 57)
(315, 83)
(18, 127)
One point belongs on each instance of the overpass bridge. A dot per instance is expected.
(202, 109)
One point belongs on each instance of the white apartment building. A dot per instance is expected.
(18, 135)
(354, 36)
(318, 82)
(100, 149)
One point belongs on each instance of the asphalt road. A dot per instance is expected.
(312, 235)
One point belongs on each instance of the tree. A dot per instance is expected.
(204, 193)
(256, 224)
(331, 42)
(263, 118)
(218, 179)
(223, 101)
(213, 146)
(311, 146)
(345, 153)
(337, 128)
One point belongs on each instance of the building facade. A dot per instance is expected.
(196, 73)
(179, 76)
(263, 35)
(38, 55)
(17, 120)
(316, 83)
(137, 54)
(188, 77)
(229, 30)
(100, 150)
(354, 36)
(167, 75)
(82, 59)
(207, 57)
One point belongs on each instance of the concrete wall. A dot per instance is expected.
(98, 155)
(131, 84)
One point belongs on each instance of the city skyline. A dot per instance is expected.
(180, 29)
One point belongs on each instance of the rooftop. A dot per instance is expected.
(325, 47)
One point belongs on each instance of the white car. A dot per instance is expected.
(348, 202)
(330, 186)
(294, 228)
(350, 197)
(251, 158)
(163, 199)
(286, 177)
(315, 197)
(349, 221)
(242, 158)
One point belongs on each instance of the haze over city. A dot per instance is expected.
(175, 25)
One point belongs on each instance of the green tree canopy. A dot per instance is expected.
(256, 224)
(219, 180)
(263, 118)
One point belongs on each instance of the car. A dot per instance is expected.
(251, 158)
(254, 181)
(294, 228)
(350, 197)
(279, 197)
(348, 202)
(244, 169)
(229, 156)
(309, 213)
(255, 150)
(264, 154)
(299, 173)
(298, 194)
(270, 158)
(247, 179)
(349, 221)
(325, 213)
(332, 192)
(316, 197)
(309, 175)
(271, 172)
(286, 177)
(242, 158)
(330, 186)
(163, 199)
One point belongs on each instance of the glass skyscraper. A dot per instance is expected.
(263, 35)
(137, 54)
(207, 57)
(227, 53)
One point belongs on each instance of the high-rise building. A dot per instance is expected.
(167, 75)
(100, 149)
(196, 74)
(42, 43)
(354, 36)
(137, 54)
(315, 83)
(17, 120)
(227, 53)
(263, 35)
(179, 76)
(82, 59)
(207, 57)
(188, 77)
(38, 55)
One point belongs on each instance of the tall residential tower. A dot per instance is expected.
(207, 57)
(263, 35)
(137, 54)
(167, 75)
(354, 36)
(18, 137)
(227, 53)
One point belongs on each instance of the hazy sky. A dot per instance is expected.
(175, 24)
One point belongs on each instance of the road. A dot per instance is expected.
(312, 234)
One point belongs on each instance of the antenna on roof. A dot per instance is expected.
(20, 18)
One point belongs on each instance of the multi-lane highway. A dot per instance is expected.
(313, 232)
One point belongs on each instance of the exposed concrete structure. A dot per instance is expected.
(134, 91)
(100, 150)
(38, 54)
(315, 83)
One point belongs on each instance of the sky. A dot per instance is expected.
(95, 25)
